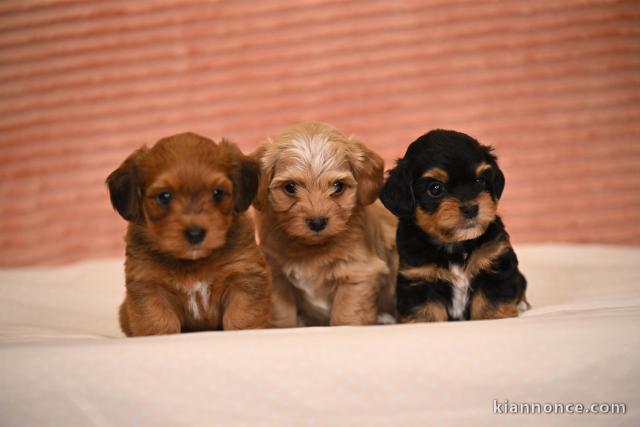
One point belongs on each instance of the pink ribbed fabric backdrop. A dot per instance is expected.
(553, 85)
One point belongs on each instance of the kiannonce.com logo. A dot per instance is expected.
(506, 407)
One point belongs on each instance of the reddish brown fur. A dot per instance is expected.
(163, 270)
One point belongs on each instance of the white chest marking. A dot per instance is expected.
(201, 290)
(313, 297)
(460, 292)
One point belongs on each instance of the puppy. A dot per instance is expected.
(456, 261)
(192, 262)
(331, 249)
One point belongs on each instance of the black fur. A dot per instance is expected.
(405, 189)
(124, 188)
(245, 182)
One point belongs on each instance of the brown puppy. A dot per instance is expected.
(330, 248)
(192, 260)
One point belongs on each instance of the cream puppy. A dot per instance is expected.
(330, 244)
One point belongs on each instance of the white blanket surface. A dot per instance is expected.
(64, 361)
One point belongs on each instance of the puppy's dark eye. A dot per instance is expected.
(290, 187)
(218, 195)
(164, 198)
(480, 182)
(435, 189)
(338, 187)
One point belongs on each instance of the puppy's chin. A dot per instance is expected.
(459, 231)
(178, 248)
(297, 230)
(448, 225)
(314, 239)
(468, 231)
(193, 254)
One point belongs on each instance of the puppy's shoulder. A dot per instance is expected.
(380, 230)
(241, 253)
(379, 220)
(142, 265)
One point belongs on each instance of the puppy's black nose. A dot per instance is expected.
(469, 211)
(317, 223)
(195, 234)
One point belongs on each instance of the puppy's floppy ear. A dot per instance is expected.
(397, 193)
(245, 174)
(266, 174)
(498, 180)
(125, 188)
(368, 170)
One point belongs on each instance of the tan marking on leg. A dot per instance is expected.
(430, 273)
(429, 312)
(482, 258)
(483, 309)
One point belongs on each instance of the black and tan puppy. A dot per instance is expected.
(456, 261)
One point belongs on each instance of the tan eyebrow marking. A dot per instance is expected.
(482, 167)
(437, 173)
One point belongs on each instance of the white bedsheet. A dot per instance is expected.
(63, 360)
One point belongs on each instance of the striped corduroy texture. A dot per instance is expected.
(553, 85)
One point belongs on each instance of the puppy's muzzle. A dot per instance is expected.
(318, 223)
(469, 211)
(195, 235)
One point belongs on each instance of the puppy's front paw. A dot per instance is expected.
(523, 306)
(484, 309)
(429, 312)
(386, 319)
